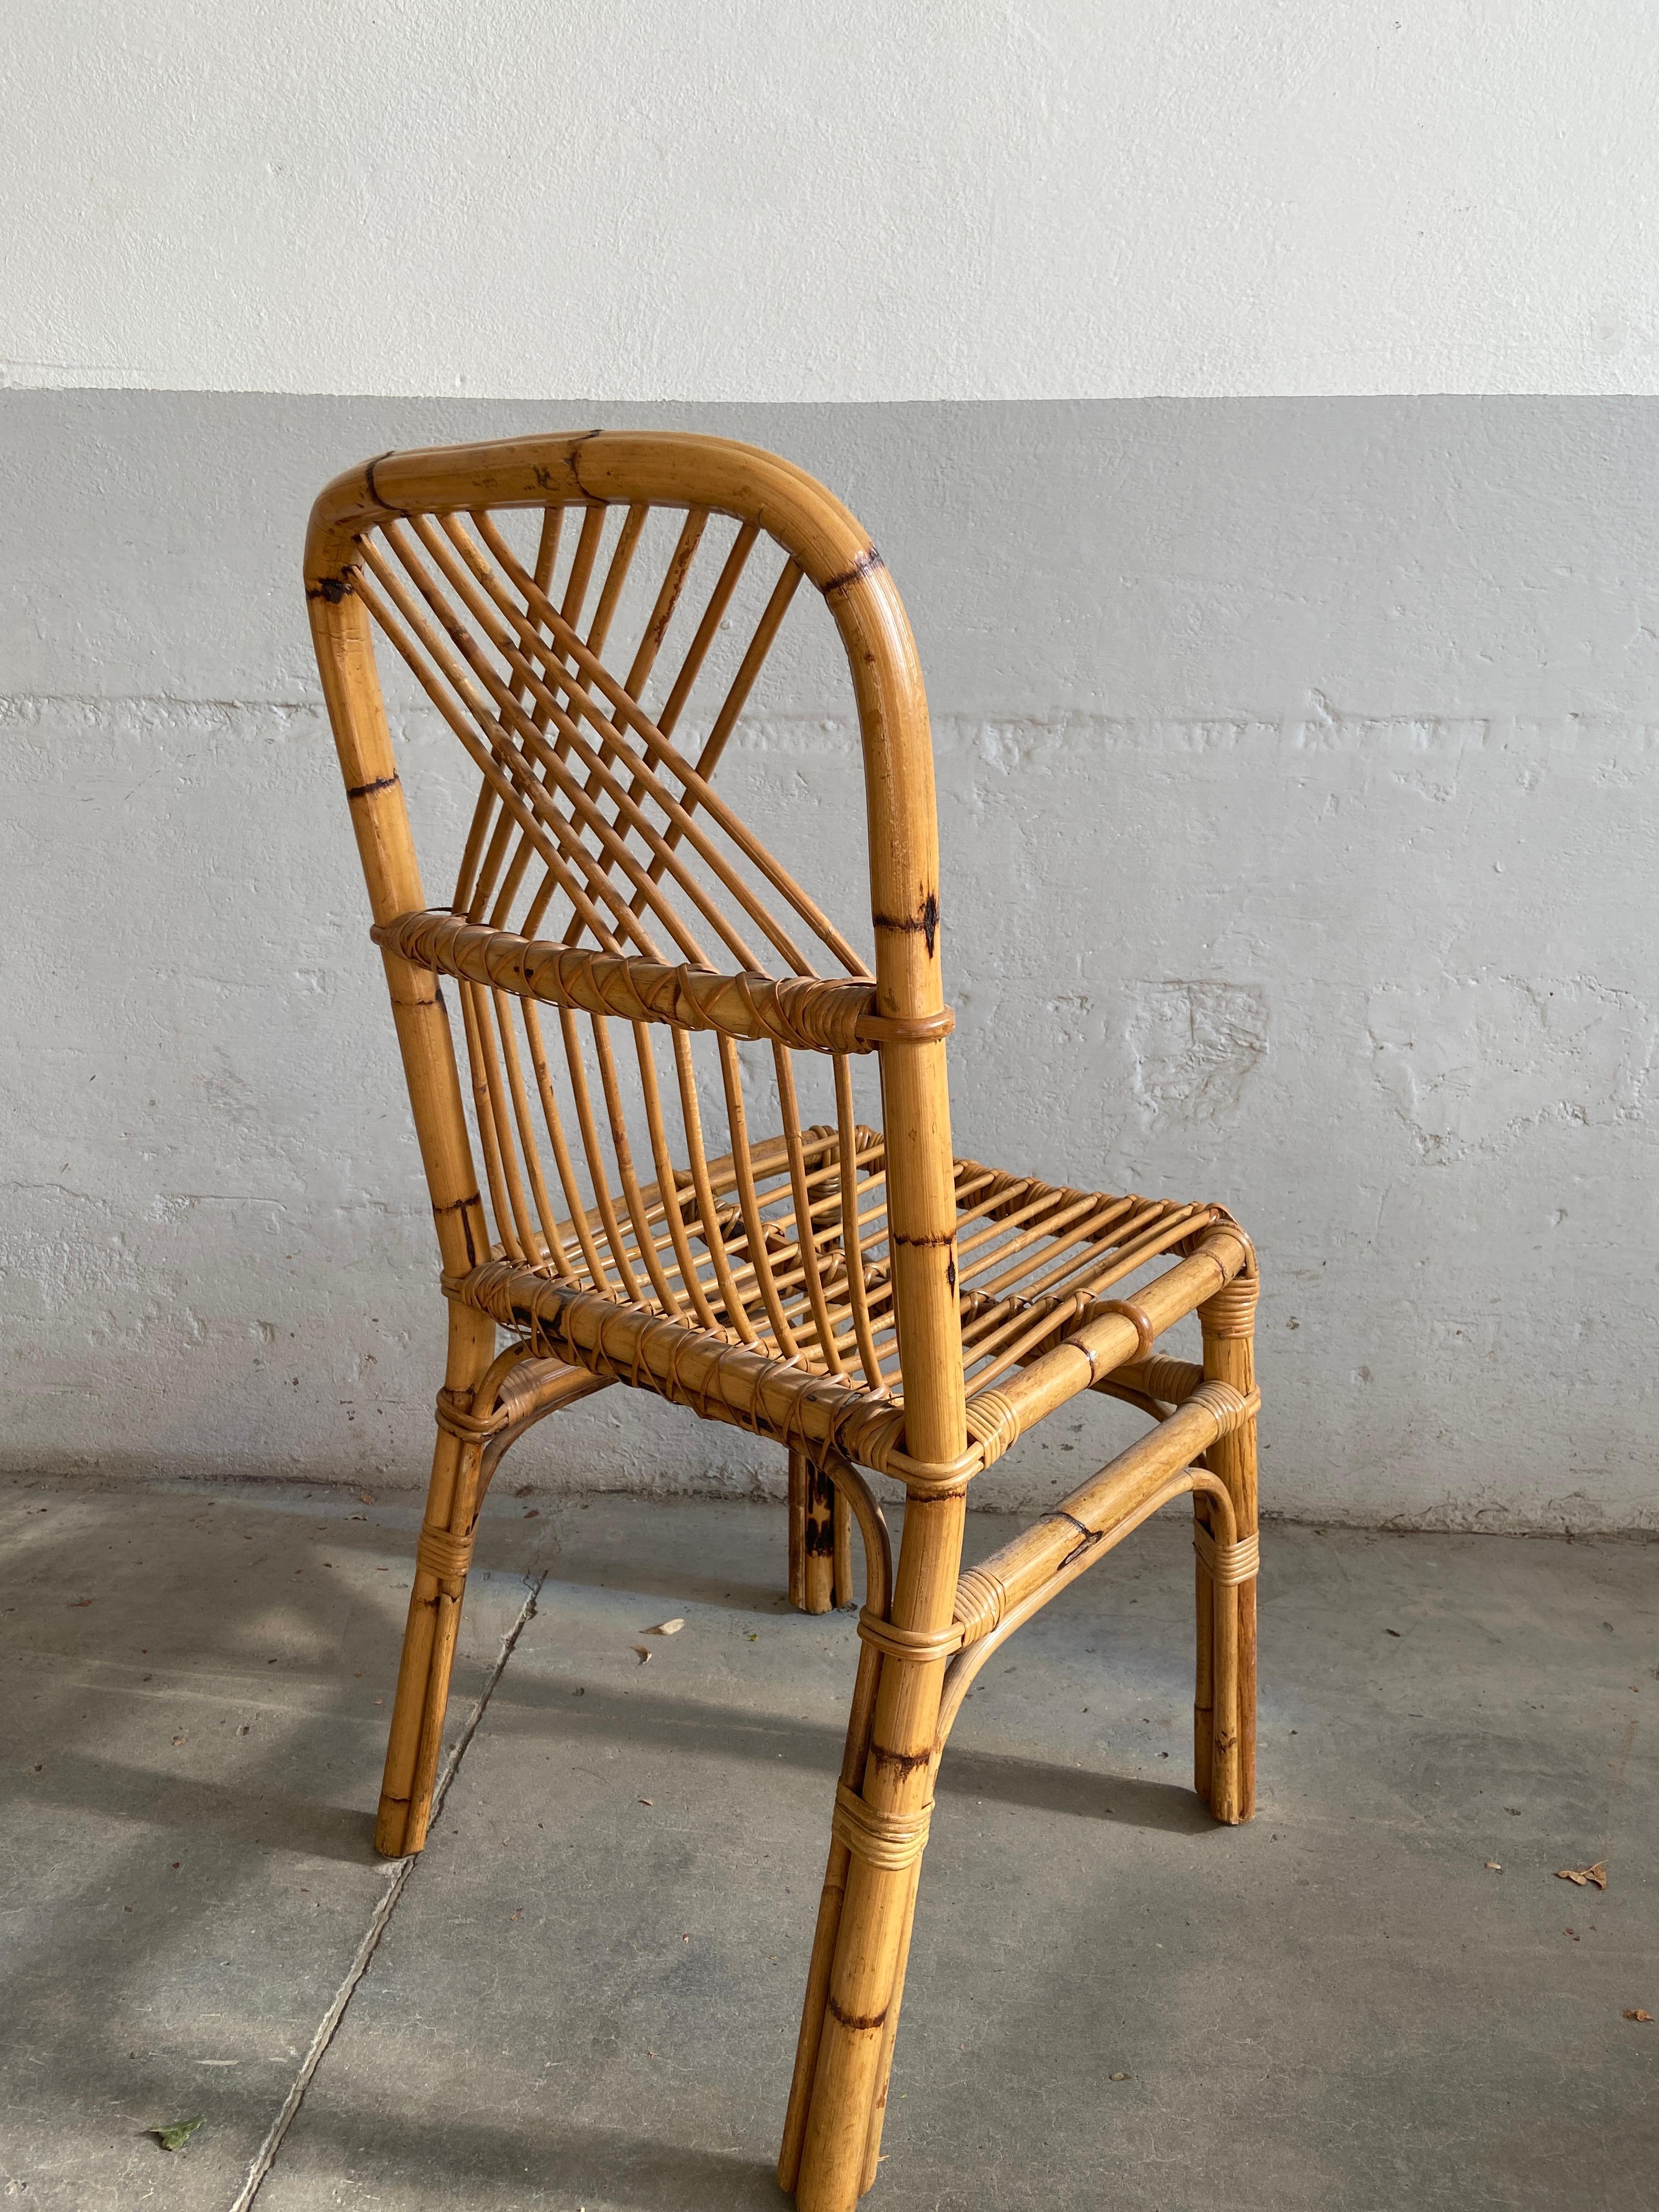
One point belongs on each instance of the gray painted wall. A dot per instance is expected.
(1297, 766)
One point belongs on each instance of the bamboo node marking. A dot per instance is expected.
(865, 565)
(891, 1841)
(924, 925)
(1227, 1564)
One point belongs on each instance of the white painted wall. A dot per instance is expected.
(759, 199)
(1298, 802)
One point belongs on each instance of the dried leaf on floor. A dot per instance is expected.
(75, 1603)
(1581, 1876)
(1635, 2012)
(176, 2137)
(642, 1654)
(645, 1801)
(1494, 1866)
(664, 1628)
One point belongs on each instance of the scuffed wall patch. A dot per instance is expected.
(1195, 1047)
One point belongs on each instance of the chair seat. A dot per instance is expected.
(793, 1357)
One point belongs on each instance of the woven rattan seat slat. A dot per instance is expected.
(842, 1284)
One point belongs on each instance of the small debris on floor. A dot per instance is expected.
(664, 1628)
(642, 1654)
(1494, 1866)
(1637, 2013)
(645, 1801)
(1580, 1875)
(1120, 2077)
(176, 2137)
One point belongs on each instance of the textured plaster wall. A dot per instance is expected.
(760, 200)
(1297, 771)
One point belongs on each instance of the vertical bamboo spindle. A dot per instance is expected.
(1228, 1322)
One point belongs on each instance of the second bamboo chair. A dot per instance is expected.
(846, 1286)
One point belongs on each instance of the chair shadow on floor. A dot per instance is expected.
(455, 2161)
(722, 1731)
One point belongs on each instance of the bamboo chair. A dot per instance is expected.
(846, 1287)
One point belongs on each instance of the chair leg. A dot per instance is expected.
(820, 1540)
(880, 1834)
(800, 1478)
(1228, 1322)
(889, 2037)
(1204, 1672)
(434, 1605)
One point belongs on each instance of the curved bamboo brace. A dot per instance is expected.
(960, 1673)
(526, 1400)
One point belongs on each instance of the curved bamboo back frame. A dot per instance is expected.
(675, 917)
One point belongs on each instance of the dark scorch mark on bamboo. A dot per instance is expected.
(926, 923)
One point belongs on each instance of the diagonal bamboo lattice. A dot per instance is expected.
(651, 1009)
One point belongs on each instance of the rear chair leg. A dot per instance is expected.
(1228, 1321)
(1204, 1686)
(435, 1603)
(820, 1540)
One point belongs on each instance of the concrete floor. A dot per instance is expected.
(580, 1998)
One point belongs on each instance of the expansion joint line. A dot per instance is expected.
(399, 1871)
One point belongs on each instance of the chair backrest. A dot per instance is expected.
(542, 591)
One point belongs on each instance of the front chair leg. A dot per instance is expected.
(879, 1831)
(442, 1557)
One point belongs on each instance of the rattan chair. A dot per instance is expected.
(642, 988)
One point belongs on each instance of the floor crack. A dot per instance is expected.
(399, 1874)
